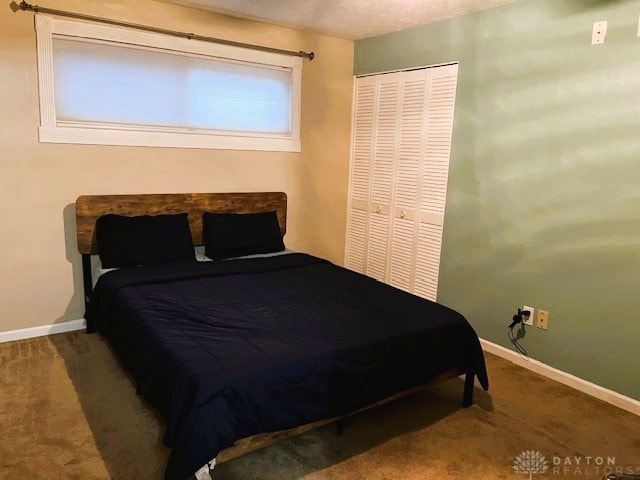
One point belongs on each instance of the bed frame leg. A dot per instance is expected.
(467, 396)
(87, 283)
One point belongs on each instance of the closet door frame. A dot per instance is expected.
(422, 221)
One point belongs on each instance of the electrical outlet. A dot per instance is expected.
(543, 320)
(531, 310)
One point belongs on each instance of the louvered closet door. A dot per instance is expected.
(407, 179)
(400, 163)
(360, 180)
(384, 158)
(433, 179)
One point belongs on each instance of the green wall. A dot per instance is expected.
(543, 206)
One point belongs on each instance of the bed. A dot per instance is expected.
(238, 353)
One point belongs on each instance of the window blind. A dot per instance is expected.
(106, 83)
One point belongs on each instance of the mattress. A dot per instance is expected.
(228, 349)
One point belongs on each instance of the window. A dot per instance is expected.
(116, 86)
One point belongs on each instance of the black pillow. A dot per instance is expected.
(126, 241)
(229, 235)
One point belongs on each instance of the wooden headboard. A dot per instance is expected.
(90, 207)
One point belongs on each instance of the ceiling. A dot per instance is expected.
(350, 19)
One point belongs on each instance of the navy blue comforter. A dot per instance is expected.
(228, 349)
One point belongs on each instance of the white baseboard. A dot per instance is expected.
(614, 398)
(41, 331)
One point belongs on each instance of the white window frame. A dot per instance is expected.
(52, 130)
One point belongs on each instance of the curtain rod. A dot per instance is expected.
(24, 6)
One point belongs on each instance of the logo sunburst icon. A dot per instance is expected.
(530, 462)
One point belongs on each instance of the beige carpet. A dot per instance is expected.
(67, 411)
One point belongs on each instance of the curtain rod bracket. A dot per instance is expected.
(24, 6)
